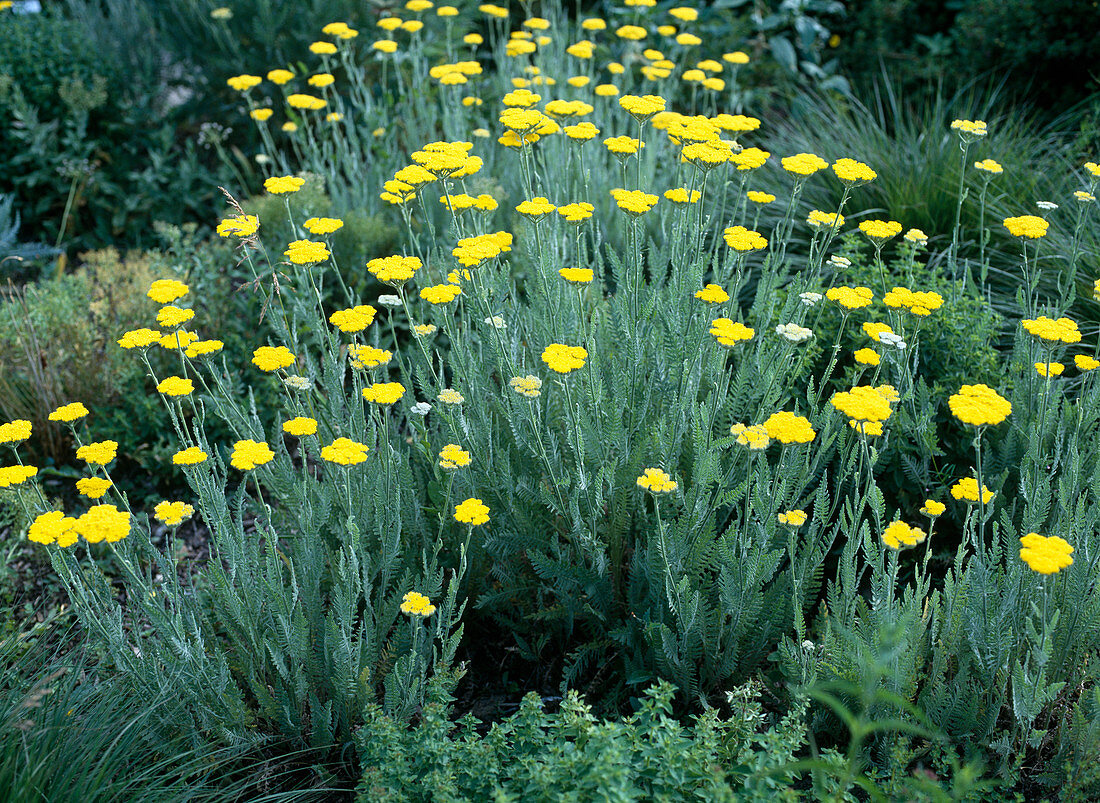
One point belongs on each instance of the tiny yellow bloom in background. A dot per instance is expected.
(280, 77)
(384, 392)
(712, 294)
(564, 359)
(917, 237)
(657, 481)
(472, 512)
(966, 490)
(1045, 555)
(416, 604)
(261, 115)
(191, 456)
(933, 508)
(173, 514)
(53, 528)
(1030, 226)
(424, 329)
(344, 452)
(300, 426)
(99, 454)
(247, 454)
(69, 412)
(322, 48)
(176, 386)
(730, 333)
(103, 523)
(793, 518)
(1049, 368)
(969, 130)
(243, 83)
(272, 358)
(787, 428)
(321, 79)
(453, 457)
(280, 185)
(165, 291)
(450, 396)
(899, 535)
(736, 57)
(92, 487)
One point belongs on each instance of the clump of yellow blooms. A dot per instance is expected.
(103, 523)
(53, 527)
(344, 452)
(384, 392)
(272, 358)
(394, 269)
(850, 297)
(176, 386)
(787, 428)
(1045, 555)
(416, 604)
(300, 426)
(577, 275)
(819, 219)
(1062, 330)
(879, 231)
(1085, 362)
(564, 359)
(979, 405)
(173, 514)
(754, 438)
(191, 456)
(93, 487)
(898, 535)
(793, 518)
(453, 457)
(730, 333)
(280, 185)
(529, 386)
(863, 404)
(966, 490)
(741, 239)
(1049, 368)
(990, 167)
(1030, 226)
(354, 319)
(642, 107)
(918, 303)
(679, 195)
(472, 512)
(97, 454)
(656, 481)
(712, 294)
(635, 202)
(165, 291)
(933, 508)
(853, 173)
(248, 454)
(69, 412)
(803, 165)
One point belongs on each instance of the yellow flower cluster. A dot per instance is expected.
(880, 230)
(529, 386)
(679, 195)
(933, 508)
(576, 212)
(754, 438)
(247, 454)
(69, 412)
(864, 404)
(788, 428)
(536, 208)
(240, 226)
(176, 386)
(819, 219)
(344, 452)
(1085, 362)
(899, 535)
(272, 358)
(1045, 555)
(300, 426)
(656, 481)
(322, 225)
(15, 431)
(103, 523)
(165, 291)
(440, 293)
(564, 359)
(1062, 330)
(394, 269)
(635, 202)
(353, 319)
(979, 405)
(243, 83)
(741, 239)
(280, 185)
(384, 392)
(16, 475)
(966, 490)
(53, 528)
(173, 514)
(577, 275)
(170, 317)
(1030, 226)
(642, 107)
(729, 333)
(473, 512)
(99, 453)
(306, 252)
(989, 166)
(191, 456)
(916, 302)
(712, 294)
(1050, 368)
(472, 251)
(453, 457)
(793, 518)
(850, 297)
(853, 173)
(803, 164)
(368, 356)
(416, 604)
(750, 159)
